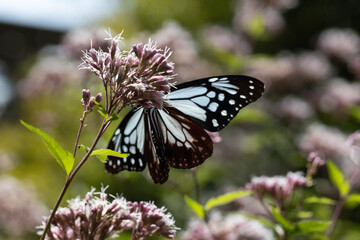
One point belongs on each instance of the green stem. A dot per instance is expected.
(335, 216)
(196, 184)
(79, 133)
(104, 125)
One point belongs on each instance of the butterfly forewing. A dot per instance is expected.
(129, 137)
(213, 102)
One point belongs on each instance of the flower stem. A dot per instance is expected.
(79, 132)
(196, 184)
(335, 216)
(71, 176)
(340, 204)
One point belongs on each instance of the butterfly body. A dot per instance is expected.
(175, 135)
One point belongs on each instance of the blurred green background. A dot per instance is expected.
(307, 53)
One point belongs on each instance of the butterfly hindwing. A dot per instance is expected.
(187, 145)
(129, 137)
(213, 102)
(154, 148)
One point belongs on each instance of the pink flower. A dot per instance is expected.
(279, 187)
(95, 217)
(139, 76)
(228, 227)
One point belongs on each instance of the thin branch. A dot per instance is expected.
(71, 177)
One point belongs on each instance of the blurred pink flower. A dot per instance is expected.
(323, 139)
(289, 70)
(215, 136)
(342, 44)
(19, 206)
(312, 66)
(338, 96)
(294, 109)
(279, 187)
(248, 11)
(49, 75)
(79, 40)
(354, 66)
(229, 227)
(225, 40)
(185, 55)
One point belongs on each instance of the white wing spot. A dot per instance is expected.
(213, 106)
(237, 109)
(224, 78)
(117, 132)
(240, 105)
(133, 150)
(140, 163)
(215, 123)
(132, 161)
(125, 160)
(110, 162)
(113, 139)
(223, 112)
(213, 79)
(221, 97)
(250, 81)
(126, 140)
(125, 148)
(202, 101)
(251, 87)
(243, 96)
(118, 162)
(211, 94)
(232, 102)
(133, 137)
(251, 93)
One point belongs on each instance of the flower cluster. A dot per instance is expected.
(231, 226)
(152, 221)
(139, 76)
(95, 217)
(280, 187)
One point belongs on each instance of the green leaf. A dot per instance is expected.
(319, 200)
(102, 154)
(108, 152)
(304, 214)
(225, 199)
(102, 109)
(337, 178)
(353, 200)
(195, 206)
(64, 158)
(113, 117)
(83, 147)
(312, 226)
(281, 219)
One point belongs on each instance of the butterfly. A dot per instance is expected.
(175, 136)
